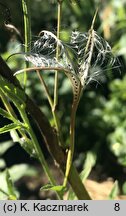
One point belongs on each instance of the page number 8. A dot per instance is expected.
(117, 207)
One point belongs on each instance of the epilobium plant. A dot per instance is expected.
(83, 59)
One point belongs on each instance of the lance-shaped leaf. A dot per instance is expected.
(4, 113)
(12, 91)
(12, 126)
(7, 115)
(59, 188)
(10, 186)
(114, 192)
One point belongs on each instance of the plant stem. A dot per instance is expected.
(12, 113)
(50, 138)
(68, 170)
(32, 135)
(72, 138)
(27, 31)
(46, 89)
(55, 116)
(38, 149)
(71, 148)
(57, 54)
(7, 104)
(42, 68)
(77, 185)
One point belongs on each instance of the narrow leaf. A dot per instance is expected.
(5, 114)
(89, 163)
(25, 170)
(4, 146)
(114, 192)
(10, 186)
(3, 195)
(2, 164)
(58, 188)
(11, 91)
(10, 127)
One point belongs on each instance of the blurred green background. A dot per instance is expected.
(101, 116)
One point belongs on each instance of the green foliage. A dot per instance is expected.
(124, 188)
(114, 116)
(10, 186)
(10, 176)
(10, 127)
(4, 146)
(59, 188)
(14, 92)
(114, 192)
(2, 164)
(89, 163)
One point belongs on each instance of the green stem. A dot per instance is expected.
(71, 148)
(32, 135)
(12, 113)
(77, 185)
(7, 104)
(38, 149)
(45, 88)
(27, 31)
(55, 116)
(57, 54)
(2, 191)
(72, 122)
(57, 125)
(49, 136)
